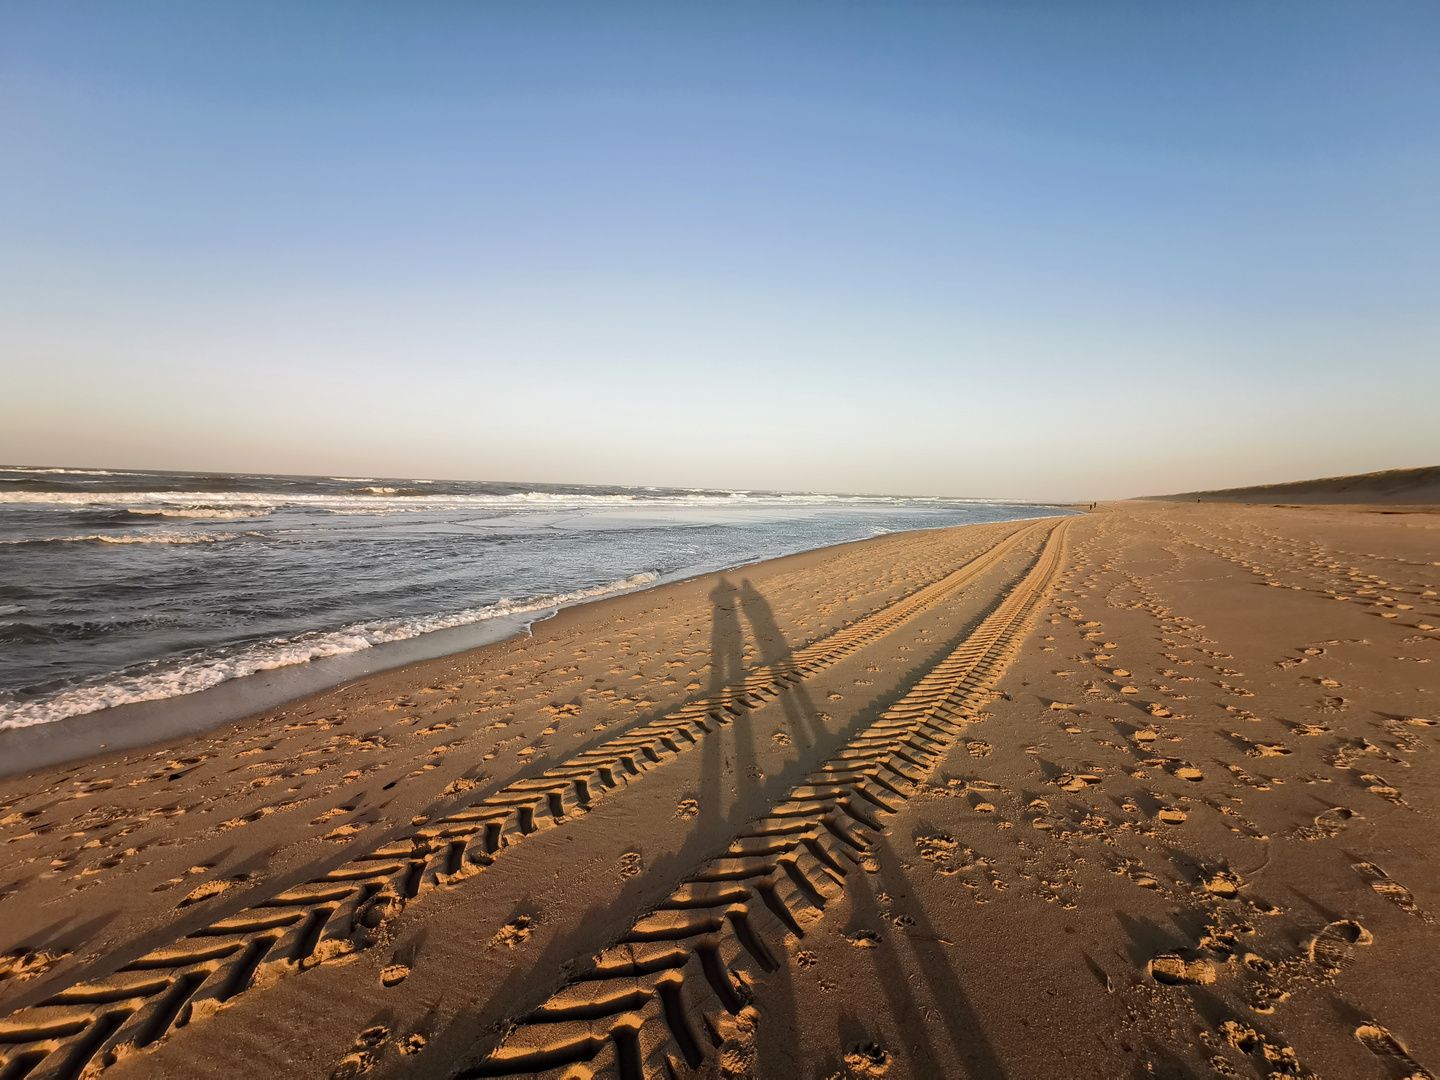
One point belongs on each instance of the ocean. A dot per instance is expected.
(122, 587)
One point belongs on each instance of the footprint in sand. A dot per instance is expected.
(362, 1059)
(1387, 1047)
(1280, 1060)
(1378, 786)
(1331, 948)
(25, 964)
(867, 1059)
(1179, 968)
(516, 932)
(1263, 749)
(936, 848)
(1075, 782)
(1222, 883)
(1310, 729)
(394, 975)
(1391, 889)
(204, 892)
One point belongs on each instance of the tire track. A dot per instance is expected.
(675, 994)
(88, 1025)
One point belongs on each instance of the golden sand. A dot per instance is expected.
(1144, 792)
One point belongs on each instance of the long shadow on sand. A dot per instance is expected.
(956, 1013)
(468, 1036)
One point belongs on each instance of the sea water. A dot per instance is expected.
(122, 587)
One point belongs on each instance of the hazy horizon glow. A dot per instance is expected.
(1026, 250)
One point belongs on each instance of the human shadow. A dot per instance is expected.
(736, 613)
(726, 670)
(775, 651)
(955, 1012)
(727, 639)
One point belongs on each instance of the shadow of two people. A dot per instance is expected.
(727, 651)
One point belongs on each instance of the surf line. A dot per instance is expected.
(347, 909)
(663, 993)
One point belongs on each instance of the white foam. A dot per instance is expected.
(146, 538)
(202, 672)
(206, 513)
(348, 500)
(386, 500)
(65, 472)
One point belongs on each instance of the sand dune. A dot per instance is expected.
(1142, 793)
(1390, 486)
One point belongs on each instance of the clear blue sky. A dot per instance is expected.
(1049, 250)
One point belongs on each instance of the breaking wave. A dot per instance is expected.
(378, 498)
(145, 538)
(191, 675)
(203, 513)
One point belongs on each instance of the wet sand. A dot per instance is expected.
(1145, 792)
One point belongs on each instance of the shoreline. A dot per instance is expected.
(136, 725)
(146, 723)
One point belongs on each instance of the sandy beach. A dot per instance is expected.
(1145, 792)
(719, 542)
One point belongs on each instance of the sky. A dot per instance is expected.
(1026, 249)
